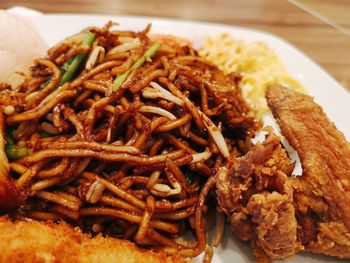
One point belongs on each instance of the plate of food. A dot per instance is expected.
(138, 139)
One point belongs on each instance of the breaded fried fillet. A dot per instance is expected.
(32, 241)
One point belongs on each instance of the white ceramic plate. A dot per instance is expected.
(327, 92)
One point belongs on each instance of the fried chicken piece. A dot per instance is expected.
(322, 193)
(32, 241)
(10, 195)
(256, 195)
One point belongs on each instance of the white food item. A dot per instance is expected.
(20, 44)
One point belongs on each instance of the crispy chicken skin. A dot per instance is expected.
(283, 214)
(257, 197)
(39, 242)
(322, 193)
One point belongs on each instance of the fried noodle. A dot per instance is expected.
(129, 151)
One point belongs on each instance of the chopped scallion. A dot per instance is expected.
(148, 54)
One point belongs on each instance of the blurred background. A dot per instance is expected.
(320, 28)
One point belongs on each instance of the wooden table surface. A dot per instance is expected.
(319, 28)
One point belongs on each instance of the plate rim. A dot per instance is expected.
(280, 40)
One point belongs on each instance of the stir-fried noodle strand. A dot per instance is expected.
(122, 133)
